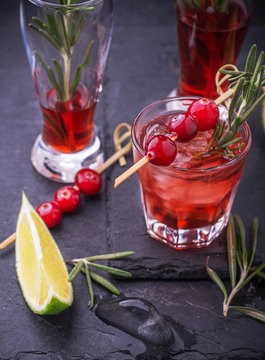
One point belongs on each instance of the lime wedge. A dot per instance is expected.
(41, 270)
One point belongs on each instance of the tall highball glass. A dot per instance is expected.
(209, 35)
(67, 43)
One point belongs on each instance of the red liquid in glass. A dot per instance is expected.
(68, 126)
(190, 199)
(207, 40)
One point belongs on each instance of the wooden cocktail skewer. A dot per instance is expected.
(120, 151)
(8, 241)
(124, 176)
(118, 140)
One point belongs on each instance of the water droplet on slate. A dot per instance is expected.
(140, 319)
(137, 317)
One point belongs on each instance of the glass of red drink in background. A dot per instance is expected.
(187, 204)
(208, 37)
(68, 140)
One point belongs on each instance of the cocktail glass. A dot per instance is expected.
(209, 34)
(67, 43)
(187, 204)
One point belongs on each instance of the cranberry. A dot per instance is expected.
(183, 126)
(160, 150)
(68, 198)
(205, 112)
(88, 181)
(50, 212)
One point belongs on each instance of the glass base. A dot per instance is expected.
(185, 238)
(62, 167)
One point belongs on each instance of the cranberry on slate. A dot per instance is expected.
(161, 150)
(88, 181)
(205, 112)
(183, 126)
(50, 212)
(68, 198)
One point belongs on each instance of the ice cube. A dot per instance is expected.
(138, 318)
(153, 129)
(187, 151)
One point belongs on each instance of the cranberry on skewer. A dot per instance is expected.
(68, 198)
(50, 212)
(205, 112)
(182, 127)
(88, 181)
(160, 150)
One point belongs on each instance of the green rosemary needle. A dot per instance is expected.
(238, 259)
(217, 5)
(244, 101)
(62, 31)
(84, 265)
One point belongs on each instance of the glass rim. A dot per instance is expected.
(190, 170)
(49, 4)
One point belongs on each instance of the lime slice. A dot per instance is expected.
(41, 271)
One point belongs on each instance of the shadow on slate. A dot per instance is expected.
(165, 263)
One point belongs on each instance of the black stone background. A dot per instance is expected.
(142, 67)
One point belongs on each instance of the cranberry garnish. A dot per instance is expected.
(160, 150)
(88, 181)
(205, 112)
(68, 198)
(183, 126)
(50, 212)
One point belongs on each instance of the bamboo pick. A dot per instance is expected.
(220, 79)
(225, 96)
(118, 140)
(121, 152)
(124, 176)
(8, 241)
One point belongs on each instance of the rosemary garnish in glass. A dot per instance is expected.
(202, 5)
(246, 98)
(62, 30)
(84, 265)
(238, 259)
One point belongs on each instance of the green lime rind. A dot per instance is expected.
(55, 303)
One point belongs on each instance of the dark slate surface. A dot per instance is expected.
(142, 67)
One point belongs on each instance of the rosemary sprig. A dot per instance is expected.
(238, 259)
(245, 99)
(202, 5)
(84, 265)
(62, 30)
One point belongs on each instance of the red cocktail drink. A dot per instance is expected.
(186, 204)
(67, 44)
(68, 127)
(208, 38)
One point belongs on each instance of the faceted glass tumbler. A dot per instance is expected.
(185, 207)
(67, 43)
